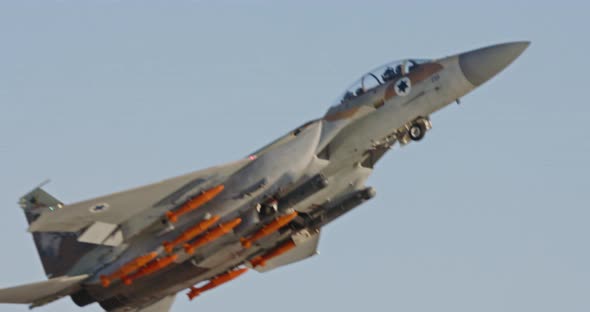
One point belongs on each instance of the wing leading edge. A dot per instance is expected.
(41, 293)
(116, 208)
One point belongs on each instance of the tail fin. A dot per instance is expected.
(58, 251)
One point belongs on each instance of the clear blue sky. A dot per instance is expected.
(489, 213)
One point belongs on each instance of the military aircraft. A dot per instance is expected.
(134, 250)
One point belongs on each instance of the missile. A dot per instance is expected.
(128, 268)
(150, 268)
(212, 235)
(283, 248)
(194, 203)
(190, 233)
(269, 229)
(215, 282)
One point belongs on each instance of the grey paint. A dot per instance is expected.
(40, 292)
(283, 167)
(480, 65)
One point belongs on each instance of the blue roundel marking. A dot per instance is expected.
(403, 86)
(99, 208)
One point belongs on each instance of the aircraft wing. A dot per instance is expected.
(102, 215)
(41, 293)
(163, 305)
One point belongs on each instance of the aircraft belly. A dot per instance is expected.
(211, 261)
(353, 142)
(140, 294)
(346, 180)
(231, 251)
(263, 176)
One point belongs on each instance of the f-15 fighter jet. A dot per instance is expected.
(135, 250)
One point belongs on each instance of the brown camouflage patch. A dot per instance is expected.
(345, 114)
(418, 75)
(423, 72)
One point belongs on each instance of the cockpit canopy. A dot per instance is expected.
(379, 76)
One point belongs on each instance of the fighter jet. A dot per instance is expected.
(136, 249)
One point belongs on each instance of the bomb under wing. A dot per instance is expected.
(216, 282)
(194, 203)
(216, 233)
(270, 228)
(123, 250)
(191, 233)
(150, 268)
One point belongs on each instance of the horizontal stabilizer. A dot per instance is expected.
(41, 293)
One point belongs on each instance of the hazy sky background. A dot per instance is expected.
(489, 213)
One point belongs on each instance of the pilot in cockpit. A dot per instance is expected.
(371, 80)
(413, 66)
(400, 70)
(388, 74)
(347, 96)
(392, 73)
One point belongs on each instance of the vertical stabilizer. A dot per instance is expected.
(58, 251)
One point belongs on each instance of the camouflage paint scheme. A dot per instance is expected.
(318, 170)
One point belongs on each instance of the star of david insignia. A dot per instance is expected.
(403, 86)
(99, 208)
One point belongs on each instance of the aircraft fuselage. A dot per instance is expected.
(268, 212)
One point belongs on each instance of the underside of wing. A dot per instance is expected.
(103, 214)
(41, 293)
(164, 305)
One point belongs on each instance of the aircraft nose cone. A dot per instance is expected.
(480, 65)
